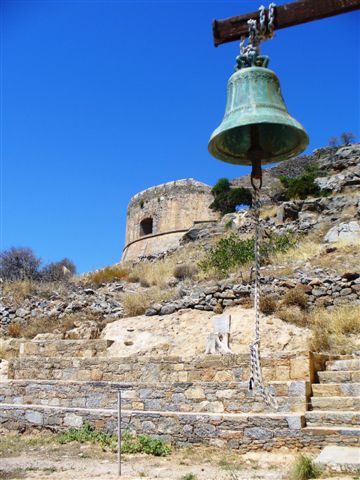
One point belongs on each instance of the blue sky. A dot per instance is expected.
(102, 99)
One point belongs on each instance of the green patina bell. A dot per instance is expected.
(257, 126)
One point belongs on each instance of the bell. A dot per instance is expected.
(257, 126)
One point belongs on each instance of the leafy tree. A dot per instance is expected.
(226, 199)
(19, 264)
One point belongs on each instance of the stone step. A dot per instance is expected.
(336, 389)
(183, 396)
(335, 403)
(349, 435)
(65, 348)
(339, 376)
(340, 459)
(340, 365)
(332, 418)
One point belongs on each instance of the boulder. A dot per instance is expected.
(344, 232)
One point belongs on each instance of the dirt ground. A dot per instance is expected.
(39, 456)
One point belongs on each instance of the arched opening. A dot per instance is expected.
(146, 227)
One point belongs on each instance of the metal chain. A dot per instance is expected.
(256, 380)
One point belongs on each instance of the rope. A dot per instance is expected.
(256, 381)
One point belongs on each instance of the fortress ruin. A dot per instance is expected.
(158, 217)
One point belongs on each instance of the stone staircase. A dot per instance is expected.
(62, 384)
(335, 402)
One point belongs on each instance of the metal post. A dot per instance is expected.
(119, 433)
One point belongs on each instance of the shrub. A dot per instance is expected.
(58, 271)
(267, 304)
(14, 330)
(296, 296)
(333, 141)
(233, 251)
(108, 274)
(304, 469)
(181, 272)
(304, 185)
(226, 199)
(189, 476)
(19, 264)
(144, 444)
(88, 434)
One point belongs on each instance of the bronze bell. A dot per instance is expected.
(257, 126)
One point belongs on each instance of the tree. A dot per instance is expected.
(19, 264)
(333, 141)
(226, 199)
(58, 271)
(347, 138)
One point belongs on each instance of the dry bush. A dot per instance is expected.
(14, 330)
(181, 272)
(135, 303)
(108, 274)
(267, 304)
(335, 331)
(292, 314)
(296, 296)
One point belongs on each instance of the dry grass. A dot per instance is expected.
(20, 290)
(135, 303)
(107, 274)
(59, 325)
(293, 314)
(305, 250)
(335, 331)
(186, 270)
(153, 273)
(268, 211)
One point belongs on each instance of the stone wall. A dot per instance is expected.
(173, 208)
(243, 432)
(329, 291)
(149, 370)
(216, 397)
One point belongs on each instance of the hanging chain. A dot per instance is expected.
(256, 381)
(250, 52)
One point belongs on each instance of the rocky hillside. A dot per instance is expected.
(322, 265)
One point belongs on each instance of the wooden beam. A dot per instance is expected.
(288, 15)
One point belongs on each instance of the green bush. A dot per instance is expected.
(226, 199)
(144, 444)
(232, 251)
(304, 185)
(131, 443)
(304, 469)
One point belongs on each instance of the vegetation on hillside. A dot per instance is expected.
(131, 443)
(21, 264)
(304, 185)
(226, 199)
(233, 251)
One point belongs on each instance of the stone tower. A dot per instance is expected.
(158, 217)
